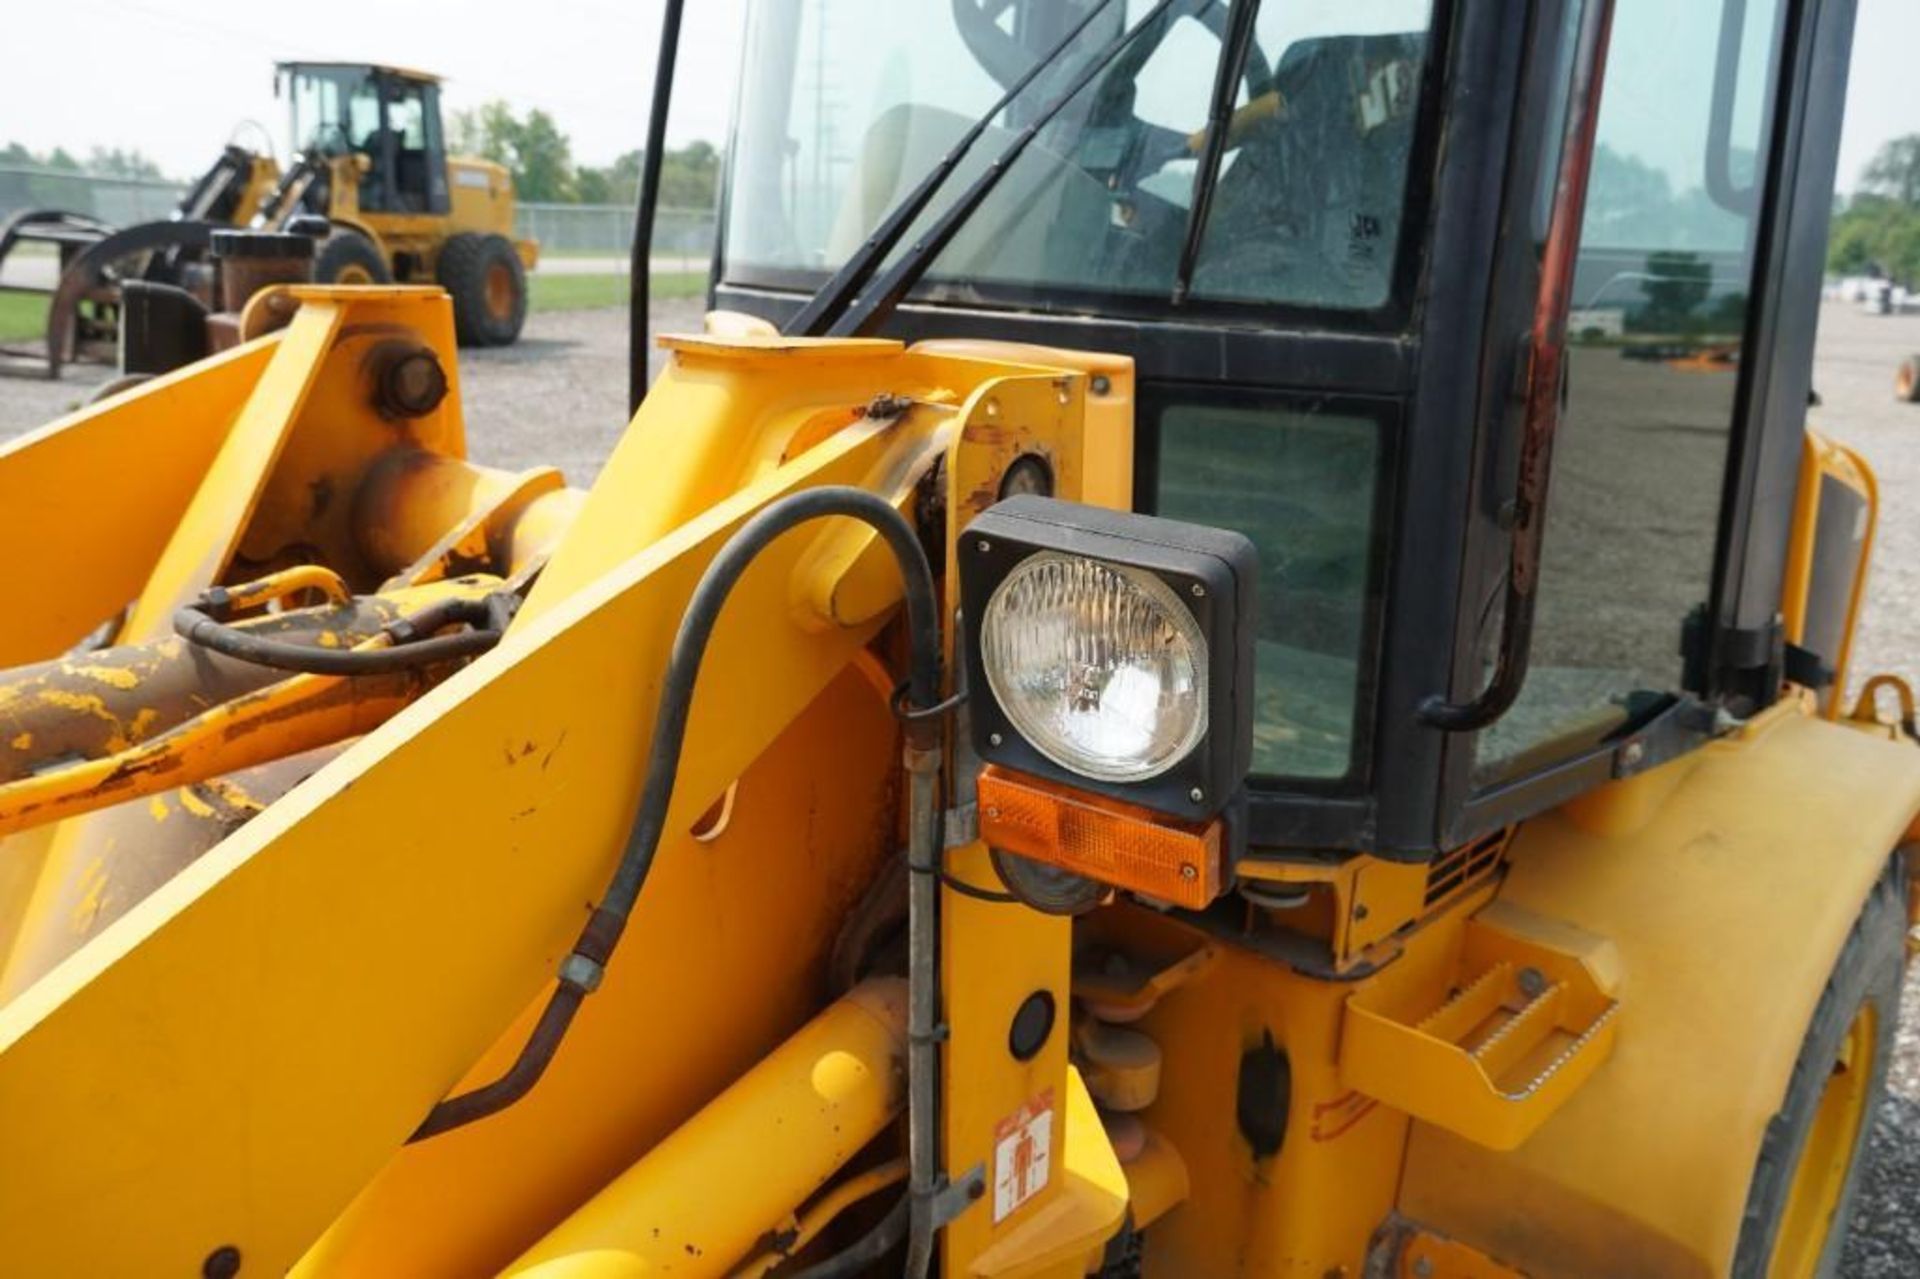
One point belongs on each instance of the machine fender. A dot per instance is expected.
(1729, 902)
(361, 227)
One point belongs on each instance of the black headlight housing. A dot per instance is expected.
(1210, 571)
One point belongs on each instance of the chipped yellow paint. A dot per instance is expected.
(329, 639)
(111, 676)
(94, 883)
(142, 723)
(22, 741)
(158, 807)
(229, 794)
(193, 803)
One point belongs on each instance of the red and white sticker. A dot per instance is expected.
(1022, 1155)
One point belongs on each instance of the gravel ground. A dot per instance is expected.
(558, 397)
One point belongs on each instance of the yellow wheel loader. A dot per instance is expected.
(374, 163)
(1144, 700)
(371, 179)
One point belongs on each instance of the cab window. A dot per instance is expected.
(1307, 210)
(1300, 477)
(1657, 324)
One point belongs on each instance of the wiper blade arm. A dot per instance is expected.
(830, 303)
(1206, 175)
(879, 302)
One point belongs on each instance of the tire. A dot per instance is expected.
(483, 275)
(1906, 381)
(348, 257)
(1867, 976)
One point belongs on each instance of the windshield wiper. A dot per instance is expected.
(831, 302)
(1206, 175)
(879, 302)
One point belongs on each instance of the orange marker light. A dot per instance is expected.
(1116, 843)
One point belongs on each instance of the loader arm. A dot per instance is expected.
(314, 983)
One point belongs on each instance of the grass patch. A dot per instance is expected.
(22, 315)
(582, 292)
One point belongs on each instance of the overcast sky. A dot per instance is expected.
(174, 77)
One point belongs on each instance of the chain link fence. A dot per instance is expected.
(121, 201)
(682, 238)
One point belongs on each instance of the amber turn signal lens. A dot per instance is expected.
(1119, 844)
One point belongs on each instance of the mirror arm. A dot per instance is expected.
(1545, 384)
(640, 260)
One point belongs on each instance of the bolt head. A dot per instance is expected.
(1197, 795)
(1423, 1267)
(1198, 590)
(983, 546)
(993, 739)
(1188, 871)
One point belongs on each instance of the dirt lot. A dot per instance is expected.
(559, 397)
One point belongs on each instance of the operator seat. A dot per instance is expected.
(1308, 211)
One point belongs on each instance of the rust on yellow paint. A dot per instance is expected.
(111, 676)
(89, 704)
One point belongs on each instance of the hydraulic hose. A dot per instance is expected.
(581, 972)
(197, 624)
(867, 1251)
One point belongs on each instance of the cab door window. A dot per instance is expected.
(413, 133)
(1657, 326)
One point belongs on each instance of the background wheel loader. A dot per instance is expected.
(1136, 704)
(371, 160)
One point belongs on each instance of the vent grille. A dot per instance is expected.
(1458, 867)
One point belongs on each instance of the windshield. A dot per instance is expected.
(846, 104)
(334, 109)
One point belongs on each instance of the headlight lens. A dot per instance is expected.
(1099, 666)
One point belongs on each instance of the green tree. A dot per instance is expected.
(544, 160)
(617, 183)
(690, 177)
(1876, 235)
(1895, 171)
(1677, 284)
(533, 149)
(117, 163)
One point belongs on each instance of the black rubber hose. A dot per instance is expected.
(581, 972)
(867, 1251)
(196, 625)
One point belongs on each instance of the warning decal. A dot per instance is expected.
(1022, 1155)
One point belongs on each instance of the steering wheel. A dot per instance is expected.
(329, 139)
(1153, 146)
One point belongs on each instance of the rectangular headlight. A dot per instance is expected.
(1111, 651)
